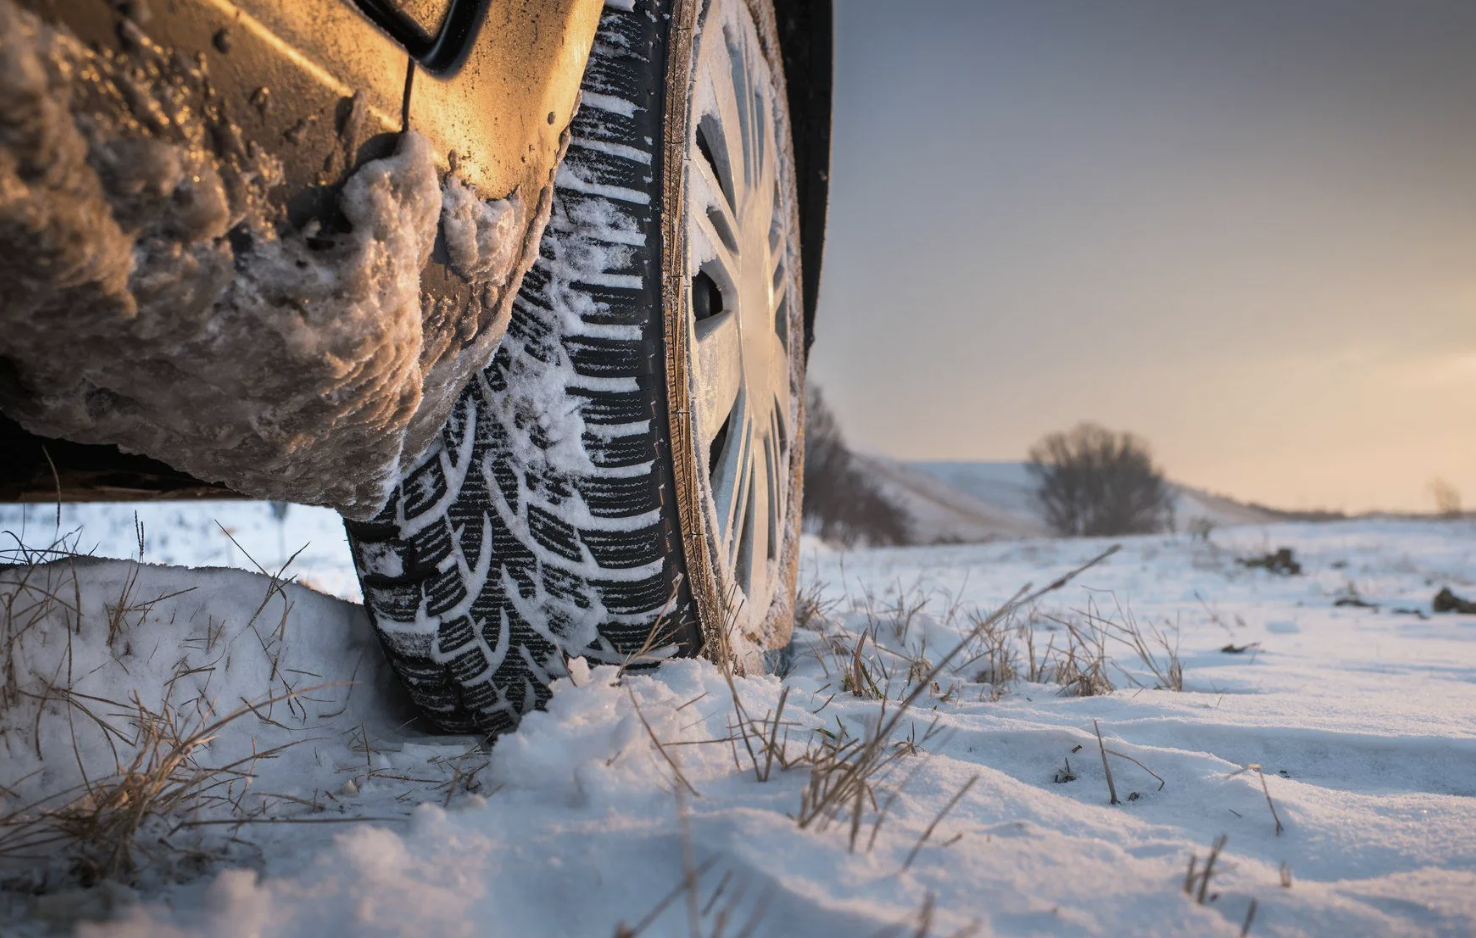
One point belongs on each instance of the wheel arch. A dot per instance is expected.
(806, 39)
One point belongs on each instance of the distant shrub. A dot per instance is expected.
(1091, 481)
(1200, 528)
(1283, 562)
(1447, 499)
(842, 503)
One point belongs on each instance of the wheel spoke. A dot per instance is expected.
(781, 454)
(740, 549)
(725, 465)
(715, 175)
(721, 127)
(722, 245)
(777, 278)
(760, 523)
(738, 74)
(764, 169)
(715, 160)
(777, 224)
(742, 491)
(720, 362)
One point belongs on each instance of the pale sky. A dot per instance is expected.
(1244, 229)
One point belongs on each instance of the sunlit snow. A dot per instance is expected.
(1361, 719)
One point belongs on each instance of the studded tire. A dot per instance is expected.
(542, 523)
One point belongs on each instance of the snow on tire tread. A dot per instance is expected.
(539, 526)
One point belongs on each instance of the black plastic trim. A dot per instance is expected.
(441, 53)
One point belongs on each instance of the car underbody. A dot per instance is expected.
(214, 288)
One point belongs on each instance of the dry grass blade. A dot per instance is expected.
(160, 780)
(1150, 645)
(1021, 598)
(464, 770)
(1001, 661)
(1250, 916)
(925, 917)
(242, 821)
(1256, 767)
(840, 768)
(773, 744)
(624, 931)
(810, 605)
(886, 807)
(690, 886)
(661, 630)
(1106, 766)
(1081, 667)
(856, 677)
(1123, 755)
(923, 928)
(957, 797)
(1269, 803)
(689, 867)
(1196, 881)
(675, 766)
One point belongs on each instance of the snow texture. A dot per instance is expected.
(481, 235)
(1363, 720)
(155, 299)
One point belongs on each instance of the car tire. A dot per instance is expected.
(618, 484)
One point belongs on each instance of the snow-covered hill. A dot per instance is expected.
(1329, 746)
(983, 501)
(941, 511)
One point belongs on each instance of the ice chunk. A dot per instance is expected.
(481, 234)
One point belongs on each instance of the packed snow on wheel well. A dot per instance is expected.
(1288, 754)
(157, 298)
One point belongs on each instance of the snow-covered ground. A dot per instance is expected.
(637, 799)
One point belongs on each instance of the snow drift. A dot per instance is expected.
(996, 819)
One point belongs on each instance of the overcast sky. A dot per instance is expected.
(1244, 230)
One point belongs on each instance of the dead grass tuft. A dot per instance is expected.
(125, 818)
(723, 905)
(157, 790)
(811, 606)
(1148, 643)
(844, 771)
(1197, 878)
(1080, 667)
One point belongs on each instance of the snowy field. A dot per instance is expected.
(243, 534)
(283, 790)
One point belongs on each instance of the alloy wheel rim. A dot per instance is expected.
(740, 306)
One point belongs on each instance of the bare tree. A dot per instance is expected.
(842, 503)
(1096, 482)
(1447, 499)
